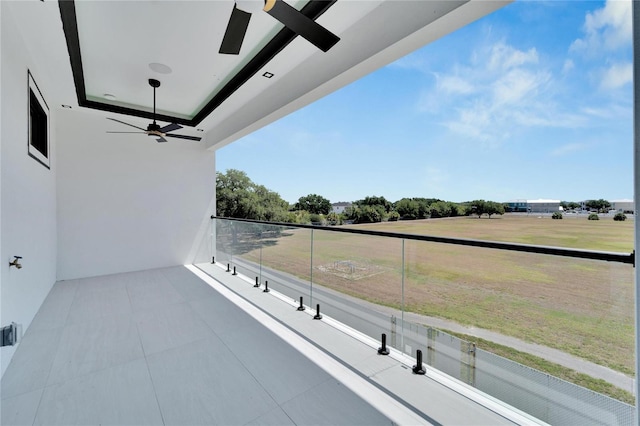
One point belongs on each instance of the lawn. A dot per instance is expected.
(583, 307)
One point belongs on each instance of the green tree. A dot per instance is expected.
(440, 209)
(365, 213)
(313, 203)
(408, 208)
(238, 197)
(600, 205)
(492, 207)
(477, 207)
(571, 205)
(619, 217)
(423, 206)
(375, 201)
(393, 216)
(480, 207)
(335, 218)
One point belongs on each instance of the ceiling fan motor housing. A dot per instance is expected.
(153, 127)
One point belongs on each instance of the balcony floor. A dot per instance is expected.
(165, 347)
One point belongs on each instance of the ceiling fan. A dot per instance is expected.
(154, 129)
(292, 18)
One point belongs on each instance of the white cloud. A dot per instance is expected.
(503, 88)
(518, 85)
(608, 28)
(454, 84)
(568, 66)
(617, 75)
(504, 57)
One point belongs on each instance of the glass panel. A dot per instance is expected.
(357, 279)
(583, 308)
(477, 314)
(277, 254)
(224, 240)
(246, 246)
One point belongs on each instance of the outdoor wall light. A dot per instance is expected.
(16, 262)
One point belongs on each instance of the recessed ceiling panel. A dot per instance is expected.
(116, 46)
(119, 40)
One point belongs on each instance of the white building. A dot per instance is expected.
(542, 205)
(624, 205)
(340, 207)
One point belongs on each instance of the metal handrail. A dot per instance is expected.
(608, 256)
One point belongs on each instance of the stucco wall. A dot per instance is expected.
(28, 189)
(126, 202)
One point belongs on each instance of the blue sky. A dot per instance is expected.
(533, 101)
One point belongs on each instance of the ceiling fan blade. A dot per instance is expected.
(161, 139)
(170, 128)
(127, 124)
(236, 30)
(191, 138)
(302, 25)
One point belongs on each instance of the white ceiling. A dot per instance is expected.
(119, 39)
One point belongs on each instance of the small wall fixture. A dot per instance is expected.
(11, 334)
(16, 262)
(267, 74)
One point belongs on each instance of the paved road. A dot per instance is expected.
(373, 320)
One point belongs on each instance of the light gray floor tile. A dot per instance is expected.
(149, 290)
(21, 409)
(101, 283)
(95, 345)
(279, 368)
(120, 395)
(169, 326)
(204, 383)
(347, 408)
(187, 284)
(55, 309)
(31, 364)
(275, 417)
(106, 300)
(221, 315)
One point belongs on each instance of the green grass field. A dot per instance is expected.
(582, 307)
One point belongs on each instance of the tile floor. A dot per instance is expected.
(162, 347)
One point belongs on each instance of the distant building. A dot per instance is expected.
(543, 206)
(624, 205)
(340, 207)
(533, 206)
(516, 206)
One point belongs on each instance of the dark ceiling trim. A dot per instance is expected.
(314, 9)
(70, 28)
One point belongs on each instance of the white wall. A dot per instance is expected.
(126, 202)
(28, 200)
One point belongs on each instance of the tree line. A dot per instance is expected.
(237, 196)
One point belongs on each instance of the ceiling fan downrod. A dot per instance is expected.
(155, 84)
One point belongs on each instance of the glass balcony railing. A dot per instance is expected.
(431, 294)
